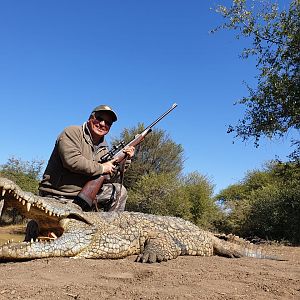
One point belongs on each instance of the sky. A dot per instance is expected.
(61, 58)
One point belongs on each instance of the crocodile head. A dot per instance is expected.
(64, 229)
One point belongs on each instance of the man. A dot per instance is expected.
(75, 159)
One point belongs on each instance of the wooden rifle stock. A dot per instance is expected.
(92, 187)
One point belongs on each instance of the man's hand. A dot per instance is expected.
(109, 167)
(129, 151)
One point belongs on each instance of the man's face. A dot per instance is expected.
(100, 123)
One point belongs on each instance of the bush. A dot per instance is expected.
(159, 194)
(187, 197)
(26, 175)
(265, 204)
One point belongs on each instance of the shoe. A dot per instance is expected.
(80, 202)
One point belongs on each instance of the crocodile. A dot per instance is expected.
(64, 230)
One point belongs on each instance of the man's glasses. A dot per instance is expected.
(100, 119)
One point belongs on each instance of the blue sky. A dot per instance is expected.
(60, 59)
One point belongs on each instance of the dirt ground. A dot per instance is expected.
(182, 278)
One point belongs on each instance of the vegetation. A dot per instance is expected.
(155, 183)
(198, 190)
(26, 174)
(158, 194)
(188, 197)
(265, 204)
(156, 154)
(273, 107)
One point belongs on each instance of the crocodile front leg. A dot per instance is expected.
(159, 248)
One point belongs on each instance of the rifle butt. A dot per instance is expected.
(91, 189)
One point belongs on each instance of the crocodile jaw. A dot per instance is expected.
(65, 220)
(70, 244)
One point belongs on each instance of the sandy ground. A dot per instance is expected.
(182, 278)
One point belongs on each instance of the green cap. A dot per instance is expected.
(107, 109)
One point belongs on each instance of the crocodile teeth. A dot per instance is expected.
(23, 202)
(52, 235)
(3, 192)
(28, 205)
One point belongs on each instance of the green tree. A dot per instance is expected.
(156, 185)
(188, 197)
(25, 173)
(159, 194)
(265, 204)
(275, 208)
(273, 107)
(234, 202)
(198, 190)
(156, 154)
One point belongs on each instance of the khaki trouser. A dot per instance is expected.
(112, 197)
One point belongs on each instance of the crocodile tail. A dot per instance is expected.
(236, 247)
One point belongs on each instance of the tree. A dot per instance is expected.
(188, 197)
(156, 154)
(155, 183)
(265, 203)
(159, 194)
(273, 108)
(234, 201)
(25, 173)
(198, 190)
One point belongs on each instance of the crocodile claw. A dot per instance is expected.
(149, 257)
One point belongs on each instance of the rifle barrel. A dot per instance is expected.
(162, 116)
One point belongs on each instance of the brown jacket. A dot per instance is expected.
(74, 160)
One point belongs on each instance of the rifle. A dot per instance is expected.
(92, 187)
